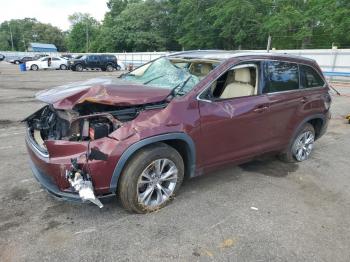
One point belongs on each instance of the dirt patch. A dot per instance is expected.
(19, 101)
(7, 123)
(51, 225)
(8, 225)
(270, 166)
(19, 194)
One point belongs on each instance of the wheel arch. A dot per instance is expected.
(31, 66)
(77, 64)
(317, 121)
(182, 142)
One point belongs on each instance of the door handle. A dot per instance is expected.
(260, 109)
(304, 100)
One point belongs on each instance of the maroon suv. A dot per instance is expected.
(178, 116)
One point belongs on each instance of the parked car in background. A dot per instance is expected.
(2, 57)
(38, 56)
(178, 116)
(67, 56)
(103, 62)
(21, 60)
(47, 62)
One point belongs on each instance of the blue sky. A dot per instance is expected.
(54, 12)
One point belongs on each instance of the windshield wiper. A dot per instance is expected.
(181, 86)
(145, 83)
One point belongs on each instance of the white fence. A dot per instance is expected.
(334, 62)
(135, 59)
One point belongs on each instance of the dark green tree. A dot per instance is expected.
(29, 30)
(83, 33)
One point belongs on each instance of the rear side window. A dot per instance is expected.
(107, 58)
(280, 76)
(92, 58)
(310, 78)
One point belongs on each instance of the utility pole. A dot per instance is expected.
(87, 37)
(8, 23)
(268, 44)
(24, 43)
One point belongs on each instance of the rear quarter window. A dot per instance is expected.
(310, 78)
(280, 76)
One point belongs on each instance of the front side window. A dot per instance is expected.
(310, 78)
(240, 81)
(280, 76)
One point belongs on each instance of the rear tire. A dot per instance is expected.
(151, 178)
(300, 148)
(109, 68)
(63, 67)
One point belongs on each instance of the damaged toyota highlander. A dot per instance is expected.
(138, 136)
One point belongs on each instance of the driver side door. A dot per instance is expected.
(234, 128)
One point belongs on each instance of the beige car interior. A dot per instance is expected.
(200, 69)
(141, 70)
(240, 82)
(197, 67)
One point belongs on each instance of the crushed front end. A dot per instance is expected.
(69, 152)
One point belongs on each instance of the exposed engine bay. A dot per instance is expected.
(86, 122)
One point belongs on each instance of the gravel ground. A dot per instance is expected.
(261, 211)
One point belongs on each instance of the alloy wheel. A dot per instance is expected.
(157, 182)
(79, 68)
(303, 146)
(109, 68)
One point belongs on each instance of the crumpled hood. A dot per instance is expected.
(107, 91)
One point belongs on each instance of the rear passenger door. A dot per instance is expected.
(282, 87)
(93, 61)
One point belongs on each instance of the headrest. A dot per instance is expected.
(205, 69)
(242, 75)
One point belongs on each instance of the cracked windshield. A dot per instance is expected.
(165, 74)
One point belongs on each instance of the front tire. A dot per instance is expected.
(301, 147)
(79, 68)
(151, 178)
(34, 68)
